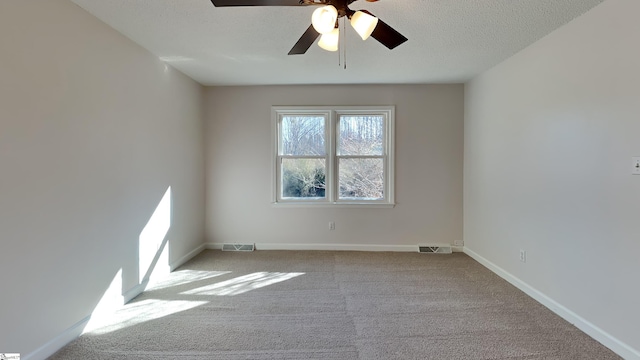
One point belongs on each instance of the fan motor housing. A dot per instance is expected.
(341, 5)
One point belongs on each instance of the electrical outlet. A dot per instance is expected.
(635, 165)
(523, 256)
(458, 243)
(332, 225)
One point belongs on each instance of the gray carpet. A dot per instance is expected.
(334, 305)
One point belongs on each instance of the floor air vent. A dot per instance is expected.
(434, 249)
(237, 247)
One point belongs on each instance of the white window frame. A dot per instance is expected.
(332, 115)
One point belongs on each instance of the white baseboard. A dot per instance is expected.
(617, 346)
(74, 331)
(58, 342)
(134, 291)
(140, 288)
(330, 247)
(213, 246)
(176, 264)
(326, 247)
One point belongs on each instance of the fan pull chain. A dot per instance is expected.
(340, 45)
(344, 39)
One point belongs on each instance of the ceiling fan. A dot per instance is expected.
(324, 23)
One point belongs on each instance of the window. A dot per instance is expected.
(333, 156)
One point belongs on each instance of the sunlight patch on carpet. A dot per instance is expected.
(183, 277)
(243, 284)
(141, 312)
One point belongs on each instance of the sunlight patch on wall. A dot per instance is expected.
(175, 59)
(183, 277)
(161, 269)
(143, 311)
(111, 301)
(242, 284)
(152, 236)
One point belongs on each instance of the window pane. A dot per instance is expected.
(361, 179)
(361, 135)
(303, 178)
(302, 135)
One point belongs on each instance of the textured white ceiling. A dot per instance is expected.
(450, 41)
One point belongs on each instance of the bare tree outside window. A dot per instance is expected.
(304, 169)
(361, 157)
(303, 135)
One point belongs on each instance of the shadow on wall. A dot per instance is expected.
(153, 262)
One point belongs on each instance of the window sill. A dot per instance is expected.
(307, 204)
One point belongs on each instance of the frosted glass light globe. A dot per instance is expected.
(324, 19)
(329, 41)
(364, 24)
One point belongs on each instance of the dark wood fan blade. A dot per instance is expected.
(386, 35)
(305, 41)
(221, 3)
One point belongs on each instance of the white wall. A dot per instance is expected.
(429, 136)
(549, 136)
(93, 131)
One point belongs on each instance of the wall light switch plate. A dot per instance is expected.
(635, 169)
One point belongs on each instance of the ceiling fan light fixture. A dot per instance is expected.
(329, 41)
(364, 24)
(324, 19)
